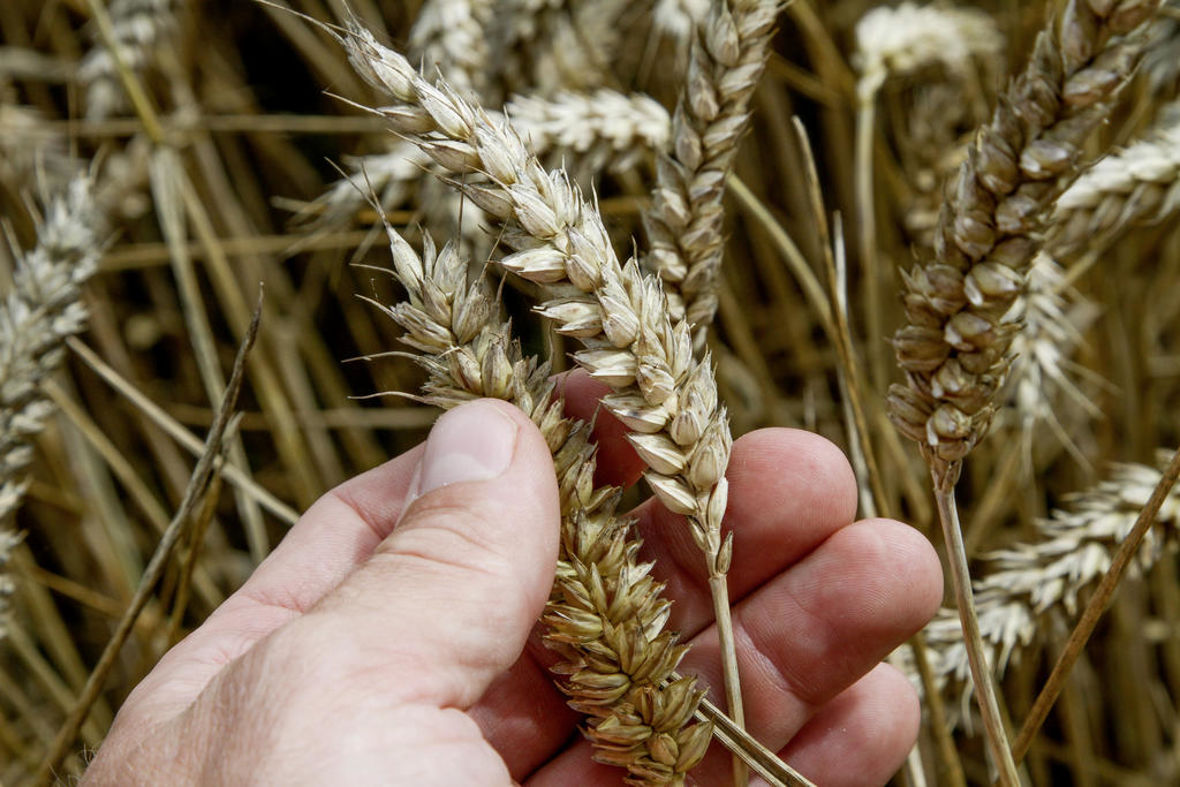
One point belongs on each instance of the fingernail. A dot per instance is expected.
(474, 442)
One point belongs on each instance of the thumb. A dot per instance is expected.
(447, 600)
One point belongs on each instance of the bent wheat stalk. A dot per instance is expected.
(660, 390)
(955, 348)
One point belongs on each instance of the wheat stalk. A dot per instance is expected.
(605, 616)
(955, 347)
(684, 223)
(139, 28)
(665, 395)
(36, 317)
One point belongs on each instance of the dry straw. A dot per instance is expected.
(605, 617)
(955, 348)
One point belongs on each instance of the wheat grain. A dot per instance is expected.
(36, 317)
(140, 28)
(684, 223)
(605, 616)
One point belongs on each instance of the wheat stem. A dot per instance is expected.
(985, 684)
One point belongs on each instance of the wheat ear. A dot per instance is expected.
(684, 222)
(668, 397)
(605, 616)
(597, 130)
(36, 317)
(893, 43)
(139, 28)
(546, 46)
(1073, 549)
(450, 35)
(954, 349)
(1138, 184)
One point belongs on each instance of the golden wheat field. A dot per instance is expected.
(253, 248)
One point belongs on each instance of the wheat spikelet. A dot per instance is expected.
(28, 152)
(1138, 184)
(140, 27)
(954, 349)
(605, 615)
(684, 221)
(1161, 62)
(603, 127)
(677, 19)
(36, 317)
(1021, 584)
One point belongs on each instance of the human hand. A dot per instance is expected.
(387, 638)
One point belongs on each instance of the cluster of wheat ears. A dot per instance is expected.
(948, 223)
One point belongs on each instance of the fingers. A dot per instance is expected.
(789, 492)
(814, 631)
(862, 736)
(337, 534)
(447, 600)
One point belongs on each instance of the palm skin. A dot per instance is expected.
(378, 647)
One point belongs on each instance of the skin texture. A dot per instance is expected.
(388, 639)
